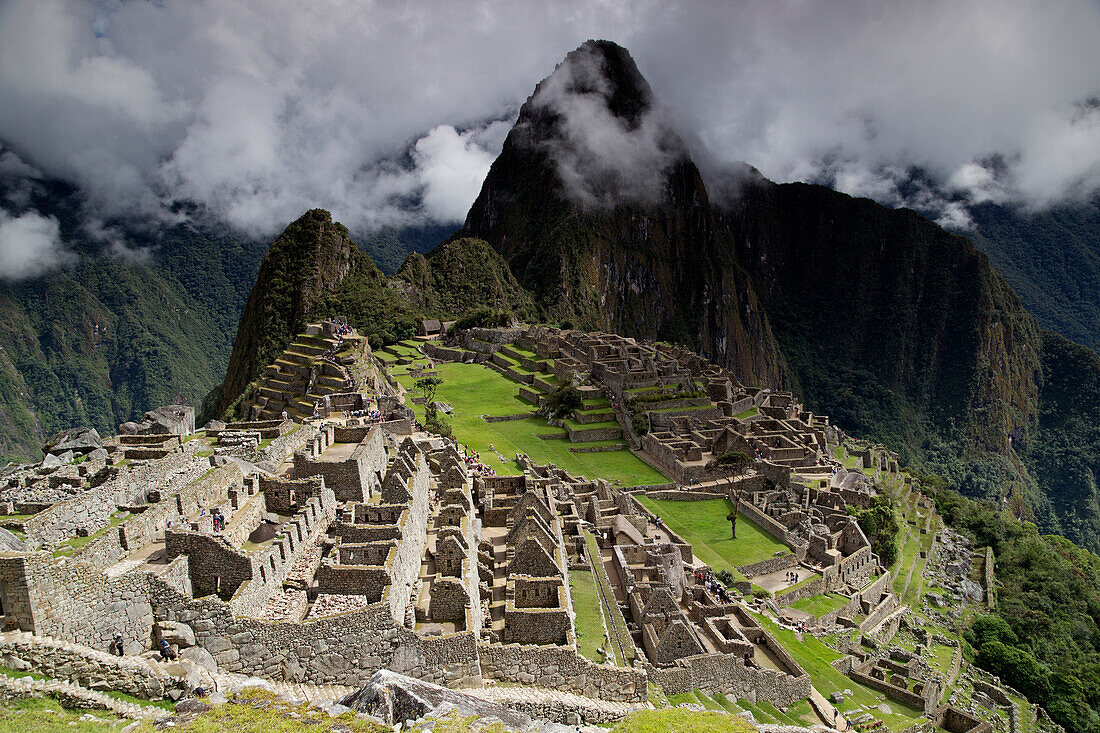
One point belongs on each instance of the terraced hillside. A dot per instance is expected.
(313, 366)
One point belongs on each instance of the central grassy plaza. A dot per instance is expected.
(704, 525)
(474, 390)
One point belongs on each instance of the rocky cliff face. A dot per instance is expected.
(600, 212)
(887, 319)
(305, 264)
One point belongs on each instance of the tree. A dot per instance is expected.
(734, 462)
(427, 386)
(563, 401)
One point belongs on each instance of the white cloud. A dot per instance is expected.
(451, 166)
(30, 245)
(259, 109)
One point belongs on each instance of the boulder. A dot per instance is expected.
(99, 454)
(199, 657)
(52, 461)
(168, 420)
(77, 440)
(178, 634)
(398, 699)
(128, 428)
(10, 543)
(836, 698)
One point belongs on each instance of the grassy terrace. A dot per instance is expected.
(474, 390)
(815, 657)
(747, 413)
(682, 721)
(704, 525)
(71, 545)
(820, 605)
(586, 604)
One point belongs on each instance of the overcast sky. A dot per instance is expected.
(260, 109)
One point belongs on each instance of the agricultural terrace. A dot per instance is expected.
(704, 525)
(474, 390)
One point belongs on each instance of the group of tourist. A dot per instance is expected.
(370, 414)
(217, 517)
(474, 465)
(792, 576)
(708, 581)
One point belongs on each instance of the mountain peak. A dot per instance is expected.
(605, 70)
(596, 121)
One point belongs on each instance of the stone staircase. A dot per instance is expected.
(15, 643)
(75, 696)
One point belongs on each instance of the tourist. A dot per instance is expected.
(118, 646)
(165, 650)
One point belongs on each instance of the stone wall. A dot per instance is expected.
(353, 479)
(343, 649)
(89, 668)
(771, 565)
(766, 523)
(14, 591)
(212, 487)
(728, 675)
(892, 691)
(561, 668)
(92, 510)
(281, 448)
(815, 587)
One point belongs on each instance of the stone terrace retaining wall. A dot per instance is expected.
(561, 668)
(728, 675)
(344, 649)
(896, 693)
(89, 668)
(92, 510)
(772, 564)
(141, 529)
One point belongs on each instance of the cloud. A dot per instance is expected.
(603, 158)
(30, 245)
(450, 165)
(387, 113)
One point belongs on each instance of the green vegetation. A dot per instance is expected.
(563, 401)
(587, 605)
(881, 525)
(474, 390)
(1044, 638)
(46, 715)
(704, 525)
(821, 604)
(682, 721)
(816, 658)
(75, 543)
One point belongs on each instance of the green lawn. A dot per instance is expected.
(681, 720)
(474, 390)
(820, 605)
(586, 604)
(747, 413)
(704, 525)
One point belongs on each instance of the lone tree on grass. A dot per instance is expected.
(563, 401)
(427, 386)
(735, 463)
(433, 423)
